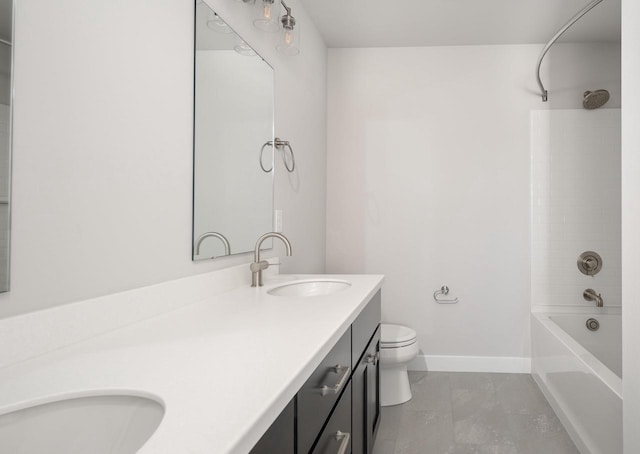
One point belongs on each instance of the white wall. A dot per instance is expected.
(428, 183)
(573, 68)
(575, 158)
(103, 147)
(631, 221)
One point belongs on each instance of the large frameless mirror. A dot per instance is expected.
(6, 60)
(233, 119)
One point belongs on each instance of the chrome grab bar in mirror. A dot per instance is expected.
(220, 236)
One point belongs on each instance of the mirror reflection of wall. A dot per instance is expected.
(233, 196)
(6, 22)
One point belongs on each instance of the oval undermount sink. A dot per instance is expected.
(105, 424)
(310, 288)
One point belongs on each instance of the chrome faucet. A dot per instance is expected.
(258, 266)
(220, 236)
(591, 295)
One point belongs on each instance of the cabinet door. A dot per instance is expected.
(372, 359)
(366, 398)
(279, 438)
(359, 408)
(364, 326)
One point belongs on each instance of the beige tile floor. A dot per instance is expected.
(472, 413)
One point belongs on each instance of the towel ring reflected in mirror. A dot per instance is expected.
(279, 144)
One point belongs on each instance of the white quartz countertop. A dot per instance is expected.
(223, 368)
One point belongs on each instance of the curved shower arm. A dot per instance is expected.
(572, 21)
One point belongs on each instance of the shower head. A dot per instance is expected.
(594, 99)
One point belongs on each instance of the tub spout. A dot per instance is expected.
(591, 295)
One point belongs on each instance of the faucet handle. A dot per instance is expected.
(259, 266)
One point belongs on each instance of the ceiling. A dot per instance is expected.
(377, 23)
(400, 23)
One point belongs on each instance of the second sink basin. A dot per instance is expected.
(107, 424)
(316, 287)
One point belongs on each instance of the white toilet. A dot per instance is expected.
(398, 346)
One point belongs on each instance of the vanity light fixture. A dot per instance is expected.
(267, 18)
(290, 40)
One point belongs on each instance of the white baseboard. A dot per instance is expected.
(502, 364)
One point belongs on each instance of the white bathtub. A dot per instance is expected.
(580, 373)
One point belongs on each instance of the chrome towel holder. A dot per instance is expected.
(279, 144)
(444, 291)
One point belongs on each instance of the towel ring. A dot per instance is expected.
(279, 145)
(260, 159)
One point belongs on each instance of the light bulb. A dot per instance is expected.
(266, 16)
(288, 37)
(289, 41)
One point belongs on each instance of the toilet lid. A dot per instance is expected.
(396, 335)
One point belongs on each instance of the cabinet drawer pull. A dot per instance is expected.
(344, 445)
(373, 358)
(335, 389)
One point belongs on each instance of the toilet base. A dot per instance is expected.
(394, 386)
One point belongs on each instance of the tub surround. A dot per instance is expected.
(568, 218)
(224, 367)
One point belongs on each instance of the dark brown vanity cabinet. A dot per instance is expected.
(337, 410)
(366, 377)
(280, 436)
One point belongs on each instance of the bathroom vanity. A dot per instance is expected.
(338, 407)
(218, 370)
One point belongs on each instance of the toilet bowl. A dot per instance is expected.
(398, 346)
